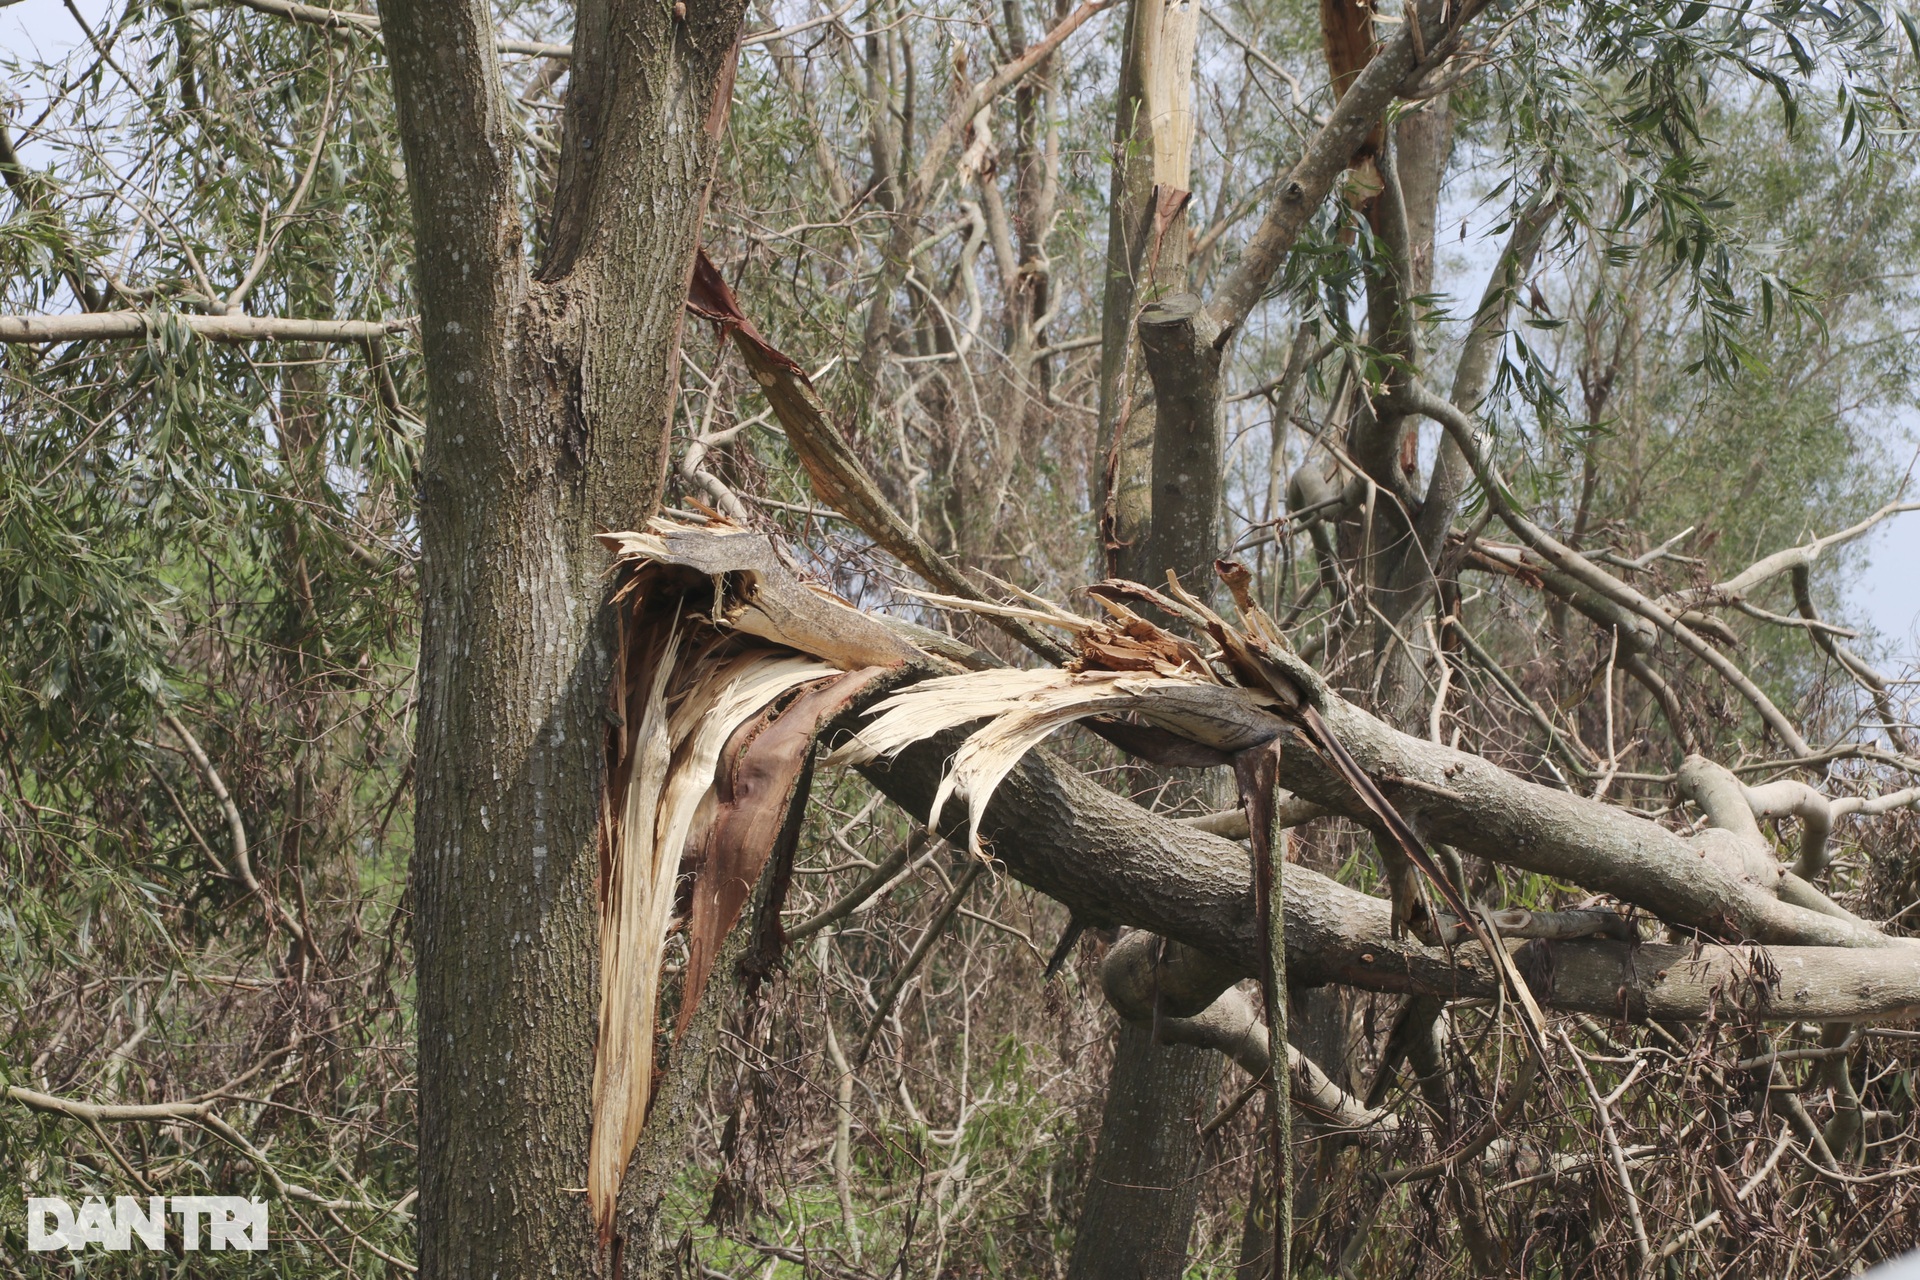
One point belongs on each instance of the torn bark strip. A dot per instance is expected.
(708, 760)
(760, 797)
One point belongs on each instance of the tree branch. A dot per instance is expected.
(1466, 434)
(200, 1113)
(1328, 155)
(368, 25)
(236, 830)
(1113, 862)
(101, 325)
(365, 24)
(1785, 561)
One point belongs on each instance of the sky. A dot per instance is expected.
(1885, 597)
(45, 24)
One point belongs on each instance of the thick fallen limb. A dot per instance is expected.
(1449, 796)
(1113, 862)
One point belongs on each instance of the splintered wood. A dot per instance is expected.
(708, 764)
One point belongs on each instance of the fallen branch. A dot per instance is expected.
(1112, 862)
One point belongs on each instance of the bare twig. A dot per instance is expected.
(1603, 1112)
(884, 1006)
(242, 863)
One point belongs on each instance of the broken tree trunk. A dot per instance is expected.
(1141, 1193)
(549, 390)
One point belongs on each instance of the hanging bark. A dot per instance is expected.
(673, 785)
(709, 759)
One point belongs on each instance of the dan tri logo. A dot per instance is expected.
(232, 1222)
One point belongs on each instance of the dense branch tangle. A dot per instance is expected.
(1390, 552)
(1721, 891)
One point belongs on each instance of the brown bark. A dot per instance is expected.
(548, 403)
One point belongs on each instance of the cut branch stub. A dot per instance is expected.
(1178, 344)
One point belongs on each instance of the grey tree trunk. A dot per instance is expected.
(1144, 1188)
(549, 396)
(1159, 495)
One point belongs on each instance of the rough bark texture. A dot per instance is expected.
(1142, 1193)
(1177, 345)
(548, 401)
